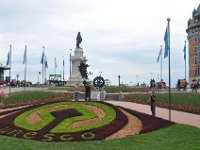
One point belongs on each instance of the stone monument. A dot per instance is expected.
(77, 60)
(99, 93)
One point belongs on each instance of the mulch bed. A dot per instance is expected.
(8, 128)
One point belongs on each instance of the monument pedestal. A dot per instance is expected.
(75, 74)
(98, 95)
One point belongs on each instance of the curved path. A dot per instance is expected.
(176, 116)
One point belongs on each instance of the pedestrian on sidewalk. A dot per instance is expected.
(76, 92)
(87, 91)
(152, 100)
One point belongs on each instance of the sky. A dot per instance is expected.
(120, 37)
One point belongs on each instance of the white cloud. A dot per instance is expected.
(119, 36)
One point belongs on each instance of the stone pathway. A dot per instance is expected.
(176, 116)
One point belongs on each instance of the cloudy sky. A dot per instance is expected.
(120, 37)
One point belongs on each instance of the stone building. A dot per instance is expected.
(193, 32)
(2, 69)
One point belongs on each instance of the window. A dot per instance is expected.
(195, 60)
(195, 49)
(198, 71)
(195, 72)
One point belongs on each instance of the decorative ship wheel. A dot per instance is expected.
(99, 81)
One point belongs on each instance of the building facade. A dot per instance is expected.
(2, 69)
(193, 36)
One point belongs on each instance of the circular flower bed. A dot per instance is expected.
(76, 121)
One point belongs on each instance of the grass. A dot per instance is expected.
(189, 99)
(46, 116)
(172, 138)
(28, 95)
(108, 89)
(114, 89)
(60, 88)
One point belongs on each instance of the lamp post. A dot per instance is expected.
(100, 72)
(39, 76)
(137, 76)
(119, 79)
(17, 79)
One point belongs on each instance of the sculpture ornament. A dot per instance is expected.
(83, 69)
(78, 40)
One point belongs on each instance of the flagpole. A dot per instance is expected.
(161, 66)
(70, 69)
(43, 66)
(185, 60)
(45, 69)
(25, 68)
(55, 65)
(63, 71)
(168, 25)
(10, 68)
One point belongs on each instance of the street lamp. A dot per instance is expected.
(119, 79)
(100, 72)
(17, 79)
(137, 76)
(39, 73)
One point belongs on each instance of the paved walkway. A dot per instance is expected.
(176, 116)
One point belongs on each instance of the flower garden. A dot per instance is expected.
(191, 107)
(58, 119)
(42, 120)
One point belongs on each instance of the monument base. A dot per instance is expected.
(74, 82)
(98, 95)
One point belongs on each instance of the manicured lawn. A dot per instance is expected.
(190, 99)
(176, 137)
(108, 89)
(115, 89)
(20, 121)
(28, 95)
(59, 88)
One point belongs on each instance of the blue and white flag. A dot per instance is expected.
(8, 59)
(70, 57)
(25, 57)
(184, 50)
(199, 54)
(159, 55)
(46, 64)
(55, 63)
(166, 40)
(42, 58)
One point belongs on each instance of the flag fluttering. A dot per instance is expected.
(46, 63)
(70, 57)
(8, 59)
(184, 51)
(25, 57)
(166, 40)
(159, 55)
(55, 63)
(42, 58)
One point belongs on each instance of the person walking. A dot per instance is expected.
(152, 100)
(184, 84)
(76, 92)
(87, 92)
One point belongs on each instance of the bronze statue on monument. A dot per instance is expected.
(78, 40)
